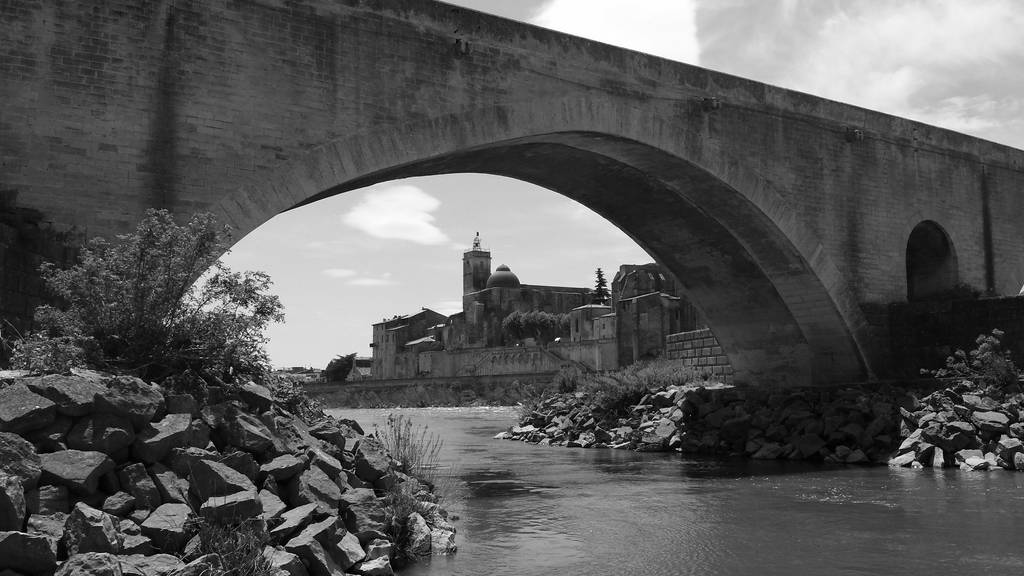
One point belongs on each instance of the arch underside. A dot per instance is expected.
(770, 312)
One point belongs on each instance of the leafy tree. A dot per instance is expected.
(601, 294)
(513, 327)
(136, 305)
(339, 368)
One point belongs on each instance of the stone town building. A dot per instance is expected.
(644, 310)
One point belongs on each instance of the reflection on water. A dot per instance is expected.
(532, 510)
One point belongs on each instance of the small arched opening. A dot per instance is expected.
(931, 262)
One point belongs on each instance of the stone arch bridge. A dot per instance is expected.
(787, 218)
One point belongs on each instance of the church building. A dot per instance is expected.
(643, 311)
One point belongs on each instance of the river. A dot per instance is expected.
(529, 510)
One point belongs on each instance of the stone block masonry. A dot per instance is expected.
(698, 349)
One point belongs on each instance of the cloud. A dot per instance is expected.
(397, 212)
(338, 273)
(944, 62)
(666, 28)
(370, 281)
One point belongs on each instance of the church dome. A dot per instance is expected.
(503, 278)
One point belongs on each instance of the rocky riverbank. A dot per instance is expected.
(965, 425)
(110, 475)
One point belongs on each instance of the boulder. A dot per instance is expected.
(181, 404)
(153, 565)
(242, 462)
(136, 544)
(51, 438)
(288, 433)
(130, 398)
(257, 397)
(169, 526)
(363, 511)
(334, 433)
(136, 479)
(51, 526)
(210, 479)
(904, 459)
(27, 553)
(107, 433)
(90, 530)
(72, 395)
(48, 499)
(293, 521)
(768, 451)
(91, 564)
(347, 551)
(13, 507)
(1007, 447)
(232, 426)
(314, 486)
(329, 464)
(375, 567)
(182, 460)
(972, 460)
(283, 563)
(420, 538)
(18, 458)
(119, 504)
(172, 488)
(993, 422)
(272, 505)
(442, 541)
(22, 410)
(808, 445)
(379, 549)
(371, 461)
(232, 508)
(283, 467)
(951, 437)
(1018, 461)
(155, 441)
(79, 470)
(313, 556)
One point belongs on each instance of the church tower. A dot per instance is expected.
(476, 267)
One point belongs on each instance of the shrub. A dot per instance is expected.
(240, 547)
(416, 449)
(136, 305)
(987, 364)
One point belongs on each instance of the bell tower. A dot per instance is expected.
(476, 267)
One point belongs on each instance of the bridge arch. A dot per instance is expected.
(932, 266)
(776, 302)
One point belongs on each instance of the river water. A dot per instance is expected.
(529, 510)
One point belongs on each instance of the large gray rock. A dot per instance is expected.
(181, 404)
(182, 460)
(347, 551)
(169, 526)
(151, 565)
(107, 433)
(333, 432)
(420, 538)
(72, 395)
(310, 545)
(283, 563)
(52, 437)
(371, 461)
(363, 511)
(18, 458)
(242, 462)
(91, 564)
(131, 398)
(51, 526)
(232, 508)
(292, 521)
(155, 441)
(90, 530)
(232, 426)
(994, 422)
(136, 544)
(257, 397)
(380, 566)
(950, 437)
(288, 433)
(119, 504)
(442, 541)
(27, 553)
(329, 464)
(314, 486)
(209, 479)
(205, 565)
(172, 488)
(22, 410)
(12, 504)
(283, 467)
(79, 470)
(136, 479)
(272, 505)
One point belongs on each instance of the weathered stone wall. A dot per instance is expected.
(700, 350)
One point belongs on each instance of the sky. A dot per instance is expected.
(345, 262)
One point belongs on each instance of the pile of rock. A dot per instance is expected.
(847, 425)
(966, 425)
(105, 474)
